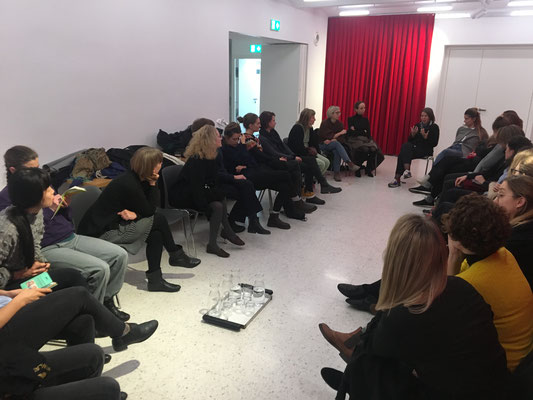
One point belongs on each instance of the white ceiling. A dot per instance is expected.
(476, 9)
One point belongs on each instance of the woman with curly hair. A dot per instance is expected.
(478, 230)
(197, 187)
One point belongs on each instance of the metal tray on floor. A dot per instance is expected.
(237, 321)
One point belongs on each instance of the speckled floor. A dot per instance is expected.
(280, 354)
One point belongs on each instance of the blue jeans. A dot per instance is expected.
(338, 152)
(453, 150)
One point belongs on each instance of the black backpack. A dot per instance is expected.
(174, 143)
(123, 156)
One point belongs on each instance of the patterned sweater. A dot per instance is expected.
(11, 257)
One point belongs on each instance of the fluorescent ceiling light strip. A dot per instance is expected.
(356, 6)
(353, 13)
(522, 13)
(434, 9)
(445, 1)
(520, 3)
(452, 15)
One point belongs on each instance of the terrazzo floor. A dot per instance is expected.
(280, 354)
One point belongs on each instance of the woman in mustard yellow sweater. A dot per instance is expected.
(477, 231)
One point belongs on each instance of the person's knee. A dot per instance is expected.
(109, 386)
(216, 207)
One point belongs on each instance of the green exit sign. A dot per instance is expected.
(274, 25)
(255, 48)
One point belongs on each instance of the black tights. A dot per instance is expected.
(160, 236)
(219, 215)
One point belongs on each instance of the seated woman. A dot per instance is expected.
(275, 147)
(432, 335)
(101, 263)
(22, 230)
(238, 160)
(359, 140)
(125, 214)
(478, 230)
(197, 187)
(252, 124)
(515, 196)
(423, 137)
(31, 317)
(467, 137)
(330, 130)
(489, 168)
(303, 142)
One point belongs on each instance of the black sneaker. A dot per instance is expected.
(423, 203)
(324, 189)
(316, 200)
(420, 189)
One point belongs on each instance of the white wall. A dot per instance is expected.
(485, 31)
(109, 73)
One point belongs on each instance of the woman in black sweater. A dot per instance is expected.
(433, 336)
(125, 214)
(197, 187)
(359, 140)
(423, 137)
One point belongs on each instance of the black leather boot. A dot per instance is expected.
(180, 259)
(110, 305)
(254, 226)
(138, 333)
(275, 222)
(236, 228)
(156, 283)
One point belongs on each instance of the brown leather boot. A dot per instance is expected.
(339, 340)
(337, 177)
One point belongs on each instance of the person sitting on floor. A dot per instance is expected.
(101, 263)
(303, 142)
(330, 130)
(433, 336)
(275, 147)
(423, 138)
(197, 187)
(125, 214)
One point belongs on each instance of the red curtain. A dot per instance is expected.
(382, 61)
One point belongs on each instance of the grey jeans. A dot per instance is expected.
(101, 263)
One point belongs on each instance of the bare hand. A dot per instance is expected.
(343, 132)
(239, 177)
(496, 187)
(56, 202)
(424, 133)
(127, 215)
(152, 180)
(283, 158)
(250, 145)
(239, 168)
(27, 296)
(312, 151)
(459, 181)
(299, 159)
(480, 179)
(414, 130)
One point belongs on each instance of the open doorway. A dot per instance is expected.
(271, 79)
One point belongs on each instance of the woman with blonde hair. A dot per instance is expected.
(330, 130)
(432, 334)
(197, 187)
(125, 214)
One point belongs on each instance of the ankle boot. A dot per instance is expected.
(110, 305)
(138, 333)
(275, 222)
(180, 259)
(294, 212)
(306, 208)
(156, 283)
(236, 228)
(254, 226)
(337, 177)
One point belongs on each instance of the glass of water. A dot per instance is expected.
(259, 289)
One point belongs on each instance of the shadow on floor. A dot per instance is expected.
(122, 369)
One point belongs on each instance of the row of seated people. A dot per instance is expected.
(239, 164)
(31, 317)
(354, 145)
(450, 321)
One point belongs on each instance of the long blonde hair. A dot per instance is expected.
(203, 143)
(523, 161)
(414, 265)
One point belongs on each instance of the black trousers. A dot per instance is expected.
(160, 236)
(75, 374)
(448, 165)
(265, 177)
(311, 171)
(409, 152)
(295, 173)
(64, 277)
(372, 158)
(247, 204)
(72, 313)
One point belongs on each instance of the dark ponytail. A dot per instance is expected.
(26, 189)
